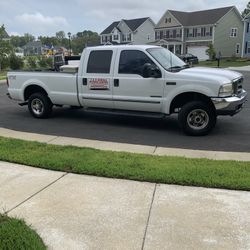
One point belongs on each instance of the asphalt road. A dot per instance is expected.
(230, 133)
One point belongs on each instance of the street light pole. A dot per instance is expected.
(69, 35)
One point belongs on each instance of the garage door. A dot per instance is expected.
(199, 51)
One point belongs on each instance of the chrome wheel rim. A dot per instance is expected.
(198, 119)
(37, 106)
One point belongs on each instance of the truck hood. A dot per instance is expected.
(221, 76)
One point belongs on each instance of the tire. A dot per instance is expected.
(197, 118)
(39, 105)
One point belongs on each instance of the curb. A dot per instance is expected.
(125, 147)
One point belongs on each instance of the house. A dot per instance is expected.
(33, 48)
(192, 32)
(133, 31)
(246, 36)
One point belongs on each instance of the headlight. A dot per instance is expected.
(226, 90)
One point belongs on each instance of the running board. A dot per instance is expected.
(23, 103)
(125, 112)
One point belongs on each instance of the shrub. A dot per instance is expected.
(16, 62)
(32, 61)
(45, 62)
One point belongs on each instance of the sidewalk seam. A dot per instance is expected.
(49, 141)
(149, 215)
(30, 197)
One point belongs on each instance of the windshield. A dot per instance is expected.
(167, 59)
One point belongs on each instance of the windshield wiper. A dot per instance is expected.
(178, 68)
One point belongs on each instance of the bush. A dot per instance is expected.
(32, 61)
(16, 62)
(45, 62)
(211, 52)
(4, 62)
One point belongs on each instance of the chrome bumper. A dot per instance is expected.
(229, 105)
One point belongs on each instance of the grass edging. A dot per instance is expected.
(157, 169)
(15, 234)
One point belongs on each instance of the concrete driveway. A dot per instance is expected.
(83, 212)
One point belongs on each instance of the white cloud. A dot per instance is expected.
(38, 24)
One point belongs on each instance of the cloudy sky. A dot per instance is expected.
(49, 16)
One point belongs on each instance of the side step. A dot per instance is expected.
(125, 112)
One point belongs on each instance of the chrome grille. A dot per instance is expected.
(237, 86)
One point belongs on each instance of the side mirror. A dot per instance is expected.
(151, 71)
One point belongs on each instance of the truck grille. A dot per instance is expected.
(237, 86)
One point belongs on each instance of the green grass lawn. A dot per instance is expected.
(171, 170)
(224, 63)
(16, 235)
(3, 75)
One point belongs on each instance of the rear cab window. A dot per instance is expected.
(99, 62)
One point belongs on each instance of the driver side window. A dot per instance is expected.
(132, 62)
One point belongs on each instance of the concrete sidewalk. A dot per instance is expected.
(125, 147)
(82, 212)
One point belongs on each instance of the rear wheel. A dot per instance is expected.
(39, 105)
(197, 118)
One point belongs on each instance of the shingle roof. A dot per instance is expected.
(109, 29)
(200, 17)
(133, 24)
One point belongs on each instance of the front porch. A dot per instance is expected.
(174, 46)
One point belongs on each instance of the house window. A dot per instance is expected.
(248, 47)
(247, 25)
(157, 35)
(161, 34)
(167, 34)
(174, 33)
(129, 37)
(233, 32)
(148, 37)
(116, 37)
(237, 48)
(123, 38)
(194, 32)
(203, 31)
(211, 31)
(169, 20)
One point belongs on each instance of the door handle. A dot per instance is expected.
(84, 81)
(116, 82)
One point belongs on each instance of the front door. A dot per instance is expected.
(130, 90)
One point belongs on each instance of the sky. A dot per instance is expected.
(46, 17)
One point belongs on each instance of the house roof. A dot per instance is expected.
(33, 44)
(200, 17)
(133, 24)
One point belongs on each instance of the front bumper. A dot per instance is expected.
(229, 105)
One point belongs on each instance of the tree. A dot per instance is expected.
(5, 49)
(84, 39)
(16, 62)
(211, 51)
(246, 10)
(60, 35)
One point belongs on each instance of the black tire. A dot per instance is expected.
(197, 118)
(40, 105)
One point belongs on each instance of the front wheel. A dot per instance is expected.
(39, 105)
(197, 118)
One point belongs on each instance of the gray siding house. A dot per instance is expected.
(33, 48)
(246, 37)
(192, 32)
(133, 31)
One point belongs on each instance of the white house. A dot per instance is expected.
(133, 31)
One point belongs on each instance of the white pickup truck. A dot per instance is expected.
(134, 80)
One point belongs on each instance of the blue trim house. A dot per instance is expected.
(246, 36)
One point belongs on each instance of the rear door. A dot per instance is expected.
(131, 91)
(97, 78)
